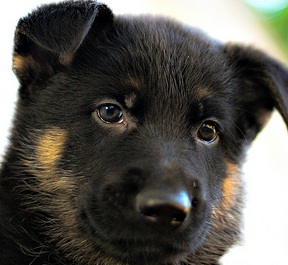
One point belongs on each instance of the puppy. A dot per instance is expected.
(128, 139)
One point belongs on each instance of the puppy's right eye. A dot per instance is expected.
(110, 113)
(208, 132)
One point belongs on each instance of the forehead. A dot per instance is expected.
(157, 57)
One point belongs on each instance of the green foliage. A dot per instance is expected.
(276, 21)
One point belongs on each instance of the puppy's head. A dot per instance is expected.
(131, 132)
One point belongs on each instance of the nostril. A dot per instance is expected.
(164, 214)
(194, 202)
(152, 214)
(165, 208)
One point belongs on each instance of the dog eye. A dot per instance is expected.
(208, 132)
(110, 113)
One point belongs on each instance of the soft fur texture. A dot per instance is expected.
(128, 139)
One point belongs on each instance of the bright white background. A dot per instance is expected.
(266, 170)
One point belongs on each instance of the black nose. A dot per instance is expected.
(159, 206)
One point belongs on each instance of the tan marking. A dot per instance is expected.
(203, 93)
(66, 59)
(22, 63)
(134, 82)
(130, 100)
(263, 116)
(50, 147)
(18, 62)
(231, 185)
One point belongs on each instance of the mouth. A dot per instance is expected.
(129, 245)
(130, 238)
(151, 226)
(143, 252)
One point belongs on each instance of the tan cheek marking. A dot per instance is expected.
(50, 147)
(231, 185)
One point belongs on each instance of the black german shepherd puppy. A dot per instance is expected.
(128, 139)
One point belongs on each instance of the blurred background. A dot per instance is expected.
(261, 23)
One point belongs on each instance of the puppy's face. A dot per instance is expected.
(134, 138)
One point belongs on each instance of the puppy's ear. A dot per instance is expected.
(47, 39)
(262, 86)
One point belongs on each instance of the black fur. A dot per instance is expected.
(72, 185)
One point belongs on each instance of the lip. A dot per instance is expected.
(151, 248)
(128, 239)
(150, 252)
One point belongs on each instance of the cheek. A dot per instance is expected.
(231, 186)
(50, 147)
(49, 150)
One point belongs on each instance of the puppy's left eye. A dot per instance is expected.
(208, 132)
(110, 113)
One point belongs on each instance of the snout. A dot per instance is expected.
(154, 199)
(157, 211)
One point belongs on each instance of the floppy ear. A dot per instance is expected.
(47, 40)
(263, 86)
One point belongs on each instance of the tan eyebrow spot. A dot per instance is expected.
(66, 58)
(134, 82)
(130, 100)
(203, 93)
